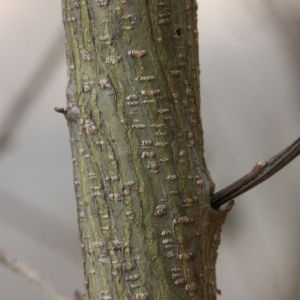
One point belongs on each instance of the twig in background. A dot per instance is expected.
(78, 295)
(31, 275)
(22, 215)
(29, 93)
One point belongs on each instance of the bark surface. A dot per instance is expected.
(143, 191)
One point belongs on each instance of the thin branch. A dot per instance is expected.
(29, 93)
(30, 275)
(262, 171)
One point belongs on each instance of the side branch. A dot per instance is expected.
(262, 171)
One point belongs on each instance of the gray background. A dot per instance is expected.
(250, 62)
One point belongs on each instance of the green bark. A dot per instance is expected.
(142, 187)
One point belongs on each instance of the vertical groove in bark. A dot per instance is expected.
(142, 187)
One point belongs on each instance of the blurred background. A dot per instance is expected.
(250, 62)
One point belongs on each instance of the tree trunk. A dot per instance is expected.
(143, 191)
